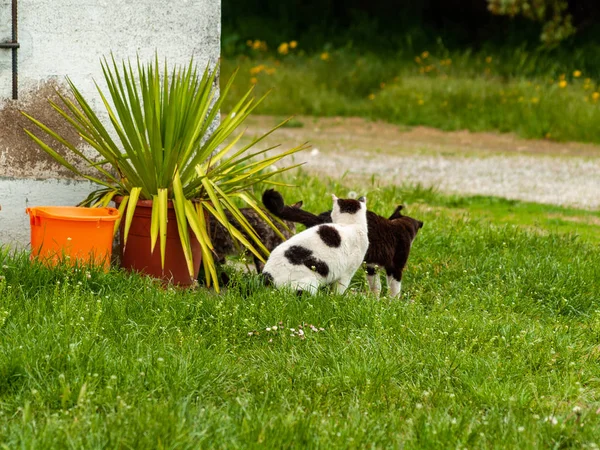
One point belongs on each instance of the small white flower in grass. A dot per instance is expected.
(551, 419)
(160, 359)
(292, 330)
(419, 406)
(521, 429)
(577, 409)
(113, 377)
(274, 328)
(453, 421)
(250, 333)
(268, 329)
(300, 332)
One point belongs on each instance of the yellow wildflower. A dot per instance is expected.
(324, 56)
(253, 80)
(371, 96)
(283, 48)
(562, 84)
(249, 42)
(535, 100)
(595, 96)
(256, 45)
(256, 70)
(421, 101)
(425, 55)
(417, 59)
(577, 73)
(293, 44)
(488, 59)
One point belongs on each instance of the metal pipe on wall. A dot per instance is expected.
(13, 45)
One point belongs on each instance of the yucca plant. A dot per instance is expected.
(165, 145)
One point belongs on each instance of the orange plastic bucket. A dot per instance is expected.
(72, 234)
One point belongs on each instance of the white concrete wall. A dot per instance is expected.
(60, 38)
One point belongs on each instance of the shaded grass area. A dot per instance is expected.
(446, 91)
(494, 344)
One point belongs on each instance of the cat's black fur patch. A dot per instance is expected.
(267, 279)
(371, 270)
(297, 254)
(348, 206)
(330, 236)
(317, 265)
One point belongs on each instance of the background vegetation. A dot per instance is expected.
(427, 64)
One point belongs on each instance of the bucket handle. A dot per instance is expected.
(34, 220)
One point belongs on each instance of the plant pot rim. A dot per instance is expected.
(148, 203)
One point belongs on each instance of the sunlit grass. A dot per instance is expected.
(494, 344)
(460, 92)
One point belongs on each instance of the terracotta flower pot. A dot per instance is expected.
(137, 256)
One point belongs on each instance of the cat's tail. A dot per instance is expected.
(397, 214)
(274, 203)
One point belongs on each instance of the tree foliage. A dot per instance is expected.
(553, 14)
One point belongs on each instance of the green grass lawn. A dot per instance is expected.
(494, 344)
(521, 93)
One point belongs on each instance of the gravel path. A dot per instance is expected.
(566, 174)
(573, 181)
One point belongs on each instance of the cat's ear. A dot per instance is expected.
(334, 198)
(297, 205)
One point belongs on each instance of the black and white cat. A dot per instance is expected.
(324, 254)
(390, 240)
